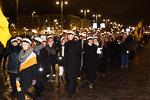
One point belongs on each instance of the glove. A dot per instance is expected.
(33, 82)
(18, 79)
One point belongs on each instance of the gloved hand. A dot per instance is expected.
(18, 79)
(33, 82)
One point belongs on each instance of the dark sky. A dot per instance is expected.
(127, 12)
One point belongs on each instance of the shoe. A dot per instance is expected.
(91, 86)
(126, 66)
(122, 67)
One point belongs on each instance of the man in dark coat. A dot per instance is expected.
(90, 60)
(72, 54)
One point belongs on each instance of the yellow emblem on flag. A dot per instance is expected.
(138, 31)
(4, 31)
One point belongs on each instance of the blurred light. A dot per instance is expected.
(57, 2)
(34, 31)
(88, 10)
(148, 26)
(103, 19)
(66, 2)
(55, 20)
(99, 15)
(93, 15)
(34, 12)
(108, 19)
(82, 11)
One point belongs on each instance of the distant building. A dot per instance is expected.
(52, 22)
(85, 23)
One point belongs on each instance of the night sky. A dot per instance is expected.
(127, 12)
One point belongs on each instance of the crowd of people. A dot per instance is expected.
(31, 60)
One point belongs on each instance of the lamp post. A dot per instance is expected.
(106, 21)
(17, 15)
(61, 2)
(85, 12)
(33, 18)
(96, 16)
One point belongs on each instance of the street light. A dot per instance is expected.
(17, 15)
(96, 15)
(33, 18)
(62, 2)
(85, 12)
(106, 21)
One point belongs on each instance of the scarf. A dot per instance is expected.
(23, 55)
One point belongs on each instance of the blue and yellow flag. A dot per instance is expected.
(4, 31)
(138, 31)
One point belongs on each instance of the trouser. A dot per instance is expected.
(24, 89)
(91, 75)
(54, 70)
(72, 84)
(13, 81)
(132, 55)
(124, 59)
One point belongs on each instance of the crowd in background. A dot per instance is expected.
(31, 60)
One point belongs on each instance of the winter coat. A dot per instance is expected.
(13, 63)
(125, 46)
(43, 62)
(72, 56)
(89, 57)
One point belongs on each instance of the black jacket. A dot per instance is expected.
(125, 46)
(72, 55)
(13, 63)
(89, 58)
(43, 62)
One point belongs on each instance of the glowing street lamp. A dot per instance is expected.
(96, 15)
(62, 2)
(85, 12)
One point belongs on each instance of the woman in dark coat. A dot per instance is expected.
(13, 50)
(42, 64)
(89, 61)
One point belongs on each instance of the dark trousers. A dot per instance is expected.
(72, 84)
(91, 76)
(54, 70)
(13, 81)
(132, 55)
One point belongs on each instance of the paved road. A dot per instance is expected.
(129, 84)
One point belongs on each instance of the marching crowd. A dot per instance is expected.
(31, 60)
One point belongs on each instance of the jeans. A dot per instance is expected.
(124, 59)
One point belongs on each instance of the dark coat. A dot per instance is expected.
(89, 58)
(13, 63)
(27, 75)
(72, 57)
(125, 46)
(43, 62)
